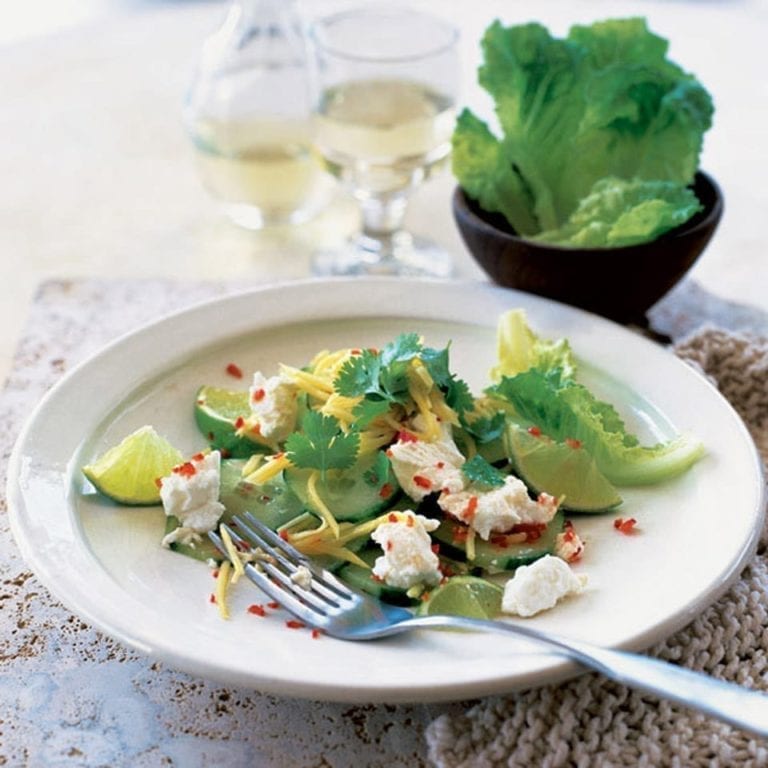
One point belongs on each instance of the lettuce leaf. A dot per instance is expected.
(566, 410)
(618, 213)
(603, 102)
(519, 349)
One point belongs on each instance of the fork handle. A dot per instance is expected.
(729, 702)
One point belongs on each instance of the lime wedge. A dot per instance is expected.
(127, 472)
(464, 596)
(216, 411)
(561, 470)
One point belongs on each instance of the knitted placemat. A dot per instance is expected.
(593, 721)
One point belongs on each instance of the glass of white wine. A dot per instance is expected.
(385, 86)
(248, 115)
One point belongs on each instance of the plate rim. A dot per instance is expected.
(437, 692)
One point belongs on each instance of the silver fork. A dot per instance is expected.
(339, 611)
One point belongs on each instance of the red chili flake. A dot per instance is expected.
(373, 350)
(279, 455)
(435, 548)
(424, 596)
(256, 429)
(355, 351)
(215, 573)
(471, 509)
(446, 491)
(316, 633)
(264, 499)
(404, 436)
(392, 517)
(212, 598)
(389, 546)
(187, 469)
(535, 431)
(234, 370)
(532, 531)
(257, 610)
(573, 443)
(293, 624)
(625, 526)
(283, 535)
(389, 453)
(377, 578)
(422, 482)
(386, 491)
(225, 454)
(440, 465)
(201, 401)
(239, 422)
(159, 482)
(459, 533)
(499, 540)
(258, 395)
(274, 605)
(411, 521)
(211, 437)
(198, 457)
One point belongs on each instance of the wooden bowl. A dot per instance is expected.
(619, 283)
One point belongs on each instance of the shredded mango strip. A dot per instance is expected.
(373, 440)
(222, 587)
(441, 409)
(315, 386)
(234, 555)
(270, 469)
(329, 363)
(319, 504)
(470, 445)
(470, 545)
(252, 464)
(340, 407)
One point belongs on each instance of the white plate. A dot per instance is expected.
(105, 563)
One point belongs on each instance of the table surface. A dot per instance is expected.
(99, 179)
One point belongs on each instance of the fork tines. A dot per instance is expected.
(276, 572)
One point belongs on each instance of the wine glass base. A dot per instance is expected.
(401, 255)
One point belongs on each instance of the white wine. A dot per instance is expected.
(381, 136)
(268, 166)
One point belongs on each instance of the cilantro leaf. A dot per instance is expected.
(436, 363)
(486, 428)
(402, 349)
(477, 470)
(321, 444)
(459, 397)
(369, 409)
(359, 375)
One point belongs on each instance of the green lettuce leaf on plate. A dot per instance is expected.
(518, 349)
(603, 102)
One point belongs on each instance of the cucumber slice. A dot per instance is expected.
(494, 557)
(365, 490)
(560, 470)
(361, 579)
(216, 411)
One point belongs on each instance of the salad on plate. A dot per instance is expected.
(383, 466)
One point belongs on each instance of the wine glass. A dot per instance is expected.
(385, 83)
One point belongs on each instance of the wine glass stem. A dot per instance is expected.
(383, 225)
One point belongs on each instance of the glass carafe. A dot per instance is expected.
(248, 116)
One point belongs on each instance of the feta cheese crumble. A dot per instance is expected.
(302, 577)
(408, 559)
(499, 509)
(568, 545)
(191, 495)
(422, 468)
(273, 405)
(539, 586)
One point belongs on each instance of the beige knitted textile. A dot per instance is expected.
(594, 722)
